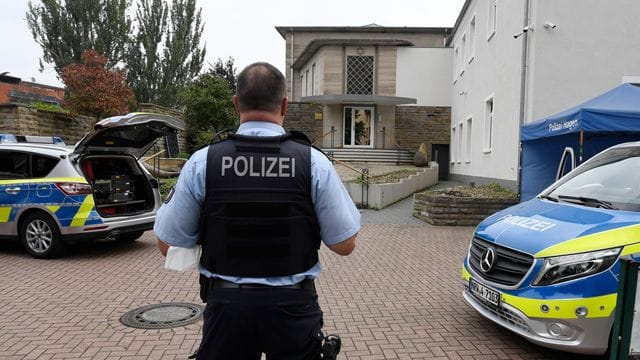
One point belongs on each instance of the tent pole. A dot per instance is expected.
(580, 149)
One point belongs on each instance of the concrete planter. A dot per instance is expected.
(378, 196)
(439, 209)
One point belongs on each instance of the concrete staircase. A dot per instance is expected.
(383, 156)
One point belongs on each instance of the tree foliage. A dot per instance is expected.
(94, 90)
(227, 71)
(64, 29)
(208, 107)
(161, 53)
(165, 53)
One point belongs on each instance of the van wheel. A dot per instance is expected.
(40, 236)
(130, 237)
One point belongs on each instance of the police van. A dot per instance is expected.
(52, 196)
(547, 269)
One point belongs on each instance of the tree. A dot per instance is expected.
(64, 29)
(208, 107)
(165, 54)
(227, 71)
(94, 90)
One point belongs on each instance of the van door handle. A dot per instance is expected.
(12, 191)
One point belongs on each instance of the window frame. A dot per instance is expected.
(347, 73)
(492, 19)
(468, 139)
(489, 124)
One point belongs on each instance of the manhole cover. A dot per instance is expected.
(162, 316)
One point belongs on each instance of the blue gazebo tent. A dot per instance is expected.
(608, 119)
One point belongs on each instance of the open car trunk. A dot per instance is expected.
(120, 187)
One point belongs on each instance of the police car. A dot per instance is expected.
(51, 196)
(547, 269)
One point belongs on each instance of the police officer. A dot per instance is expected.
(260, 204)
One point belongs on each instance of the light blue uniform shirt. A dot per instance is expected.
(178, 221)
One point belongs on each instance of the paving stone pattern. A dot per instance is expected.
(397, 297)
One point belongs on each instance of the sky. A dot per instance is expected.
(242, 29)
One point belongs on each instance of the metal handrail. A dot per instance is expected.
(333, 159)
(323, 136)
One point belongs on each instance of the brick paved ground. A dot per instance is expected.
(397, 297)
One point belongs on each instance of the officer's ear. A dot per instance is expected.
(284, 106)
(235, 104)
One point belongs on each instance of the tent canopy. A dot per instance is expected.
(608, 119)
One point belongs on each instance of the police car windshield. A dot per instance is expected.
(609, 180)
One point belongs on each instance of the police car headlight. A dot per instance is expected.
(568, 267)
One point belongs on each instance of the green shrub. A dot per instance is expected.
(49, 107)
(166, 185)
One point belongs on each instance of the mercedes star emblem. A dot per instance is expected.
(487, 259)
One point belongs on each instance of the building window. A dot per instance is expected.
(313, 79)
(459, 150)
(472, 39)
(463, 47)
(306, 82)
(492, 18)
(360, 75)
(456, 64)
(467, 143)
(453, 145)
(303, 88)
(488, 125)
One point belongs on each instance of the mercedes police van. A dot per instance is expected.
(547, 269)
(51, 196)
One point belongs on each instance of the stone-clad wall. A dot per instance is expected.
(302, 117)
(422, 124)
(25, 120)
(20, 119)
(447, 210)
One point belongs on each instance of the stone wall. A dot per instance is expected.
(449, 210)
(25, 120)
(422, 124)
(302, 117)
(19, 119)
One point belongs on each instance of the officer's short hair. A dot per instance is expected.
(261, 86)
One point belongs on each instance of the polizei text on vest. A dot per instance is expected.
(259, 166)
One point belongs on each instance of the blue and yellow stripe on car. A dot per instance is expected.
(598, 306)
(70, 210)
(44, 180)
(627, 236)
(5, 212)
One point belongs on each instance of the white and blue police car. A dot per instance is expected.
(547, 269)
(52, 196)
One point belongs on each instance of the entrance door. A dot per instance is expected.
(358, 126)
(440, 154)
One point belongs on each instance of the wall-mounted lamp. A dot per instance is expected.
(549, 25)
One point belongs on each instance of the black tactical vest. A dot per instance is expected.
(258, 218)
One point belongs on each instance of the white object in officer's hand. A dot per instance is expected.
(182, 259)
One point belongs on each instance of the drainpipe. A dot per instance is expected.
(291, 61)
(523, 86)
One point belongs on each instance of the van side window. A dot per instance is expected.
(41, 166)
(13, 165)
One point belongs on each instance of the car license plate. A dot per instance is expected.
(484, 293)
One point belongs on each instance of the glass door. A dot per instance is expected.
(358, 126)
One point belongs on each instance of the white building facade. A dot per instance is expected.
(503, 76)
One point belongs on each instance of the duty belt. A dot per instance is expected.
(306, 284)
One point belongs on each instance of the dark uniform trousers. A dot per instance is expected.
(242, 323)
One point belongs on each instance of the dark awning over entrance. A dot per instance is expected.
(358, 99)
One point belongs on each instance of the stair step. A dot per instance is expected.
(371, 155)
